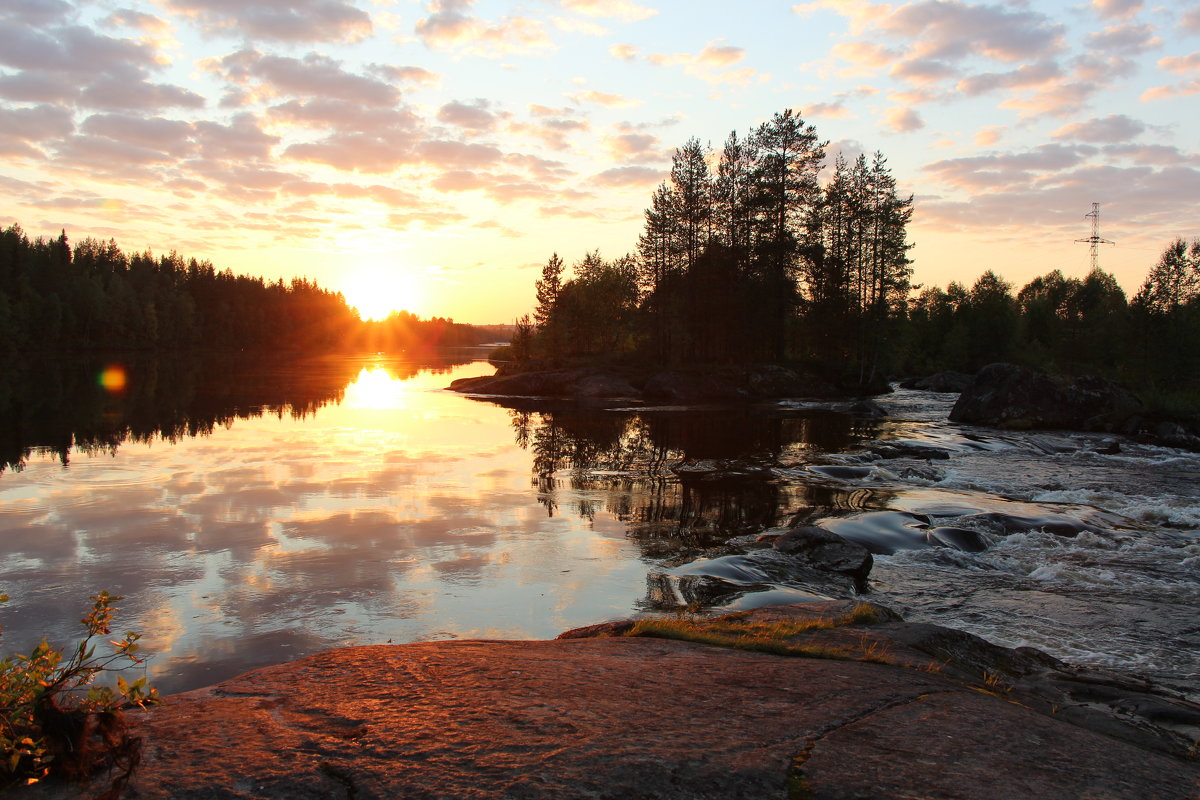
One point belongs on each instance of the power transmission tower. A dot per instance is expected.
(1094, 240)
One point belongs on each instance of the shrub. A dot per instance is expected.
(55, 719)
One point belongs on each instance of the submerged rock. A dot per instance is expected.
(1009, 396)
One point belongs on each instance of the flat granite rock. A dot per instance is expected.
(616, 717)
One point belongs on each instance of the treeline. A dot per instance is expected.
(92, 296)
(1066, 325)
(744, 255)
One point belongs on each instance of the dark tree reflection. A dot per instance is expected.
(93, 404)
(685, 479)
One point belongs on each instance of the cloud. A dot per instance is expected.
(625, 52)
(1190, 21)
(903, 119)
(953, 30)
(1181, 65)
(1025, 76)
(114, 94)
(147, 23)
(281, 20)
(710, 64)
(265, 76)
(992, 172)
(988, 135)
(362, 152)
(629, 176)
(1114, 128)
(22, 129)
(169, 136)
(1125, 39)
(551, 126)
(242, 140)
(458, 181)
(1117, 9)
(473, 116)
(623, 10)
(444, 153)
(74, 63)
(834, 110)
(449, 26)
(604, 99)
(864, 57)
(408, 74)
(34, 12)
(633, 147)
(429, 219)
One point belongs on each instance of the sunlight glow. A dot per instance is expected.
(376, 388)
(378, 292)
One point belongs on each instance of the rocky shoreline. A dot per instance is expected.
(628, 385)
(863, 705)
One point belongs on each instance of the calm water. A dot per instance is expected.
(253, 513)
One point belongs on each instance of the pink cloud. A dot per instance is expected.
(449, 26)
(630, 176)
(473, 116)
(315, 75)
(903, 119)
(621, 9)
(1117, 9)
(1127, 38)
(284, 20)
(1113, 128)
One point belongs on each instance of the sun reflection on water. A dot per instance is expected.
(376, 388)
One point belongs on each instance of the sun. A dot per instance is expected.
(377, 292)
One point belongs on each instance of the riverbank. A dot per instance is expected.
(865, 705)
(695, 384)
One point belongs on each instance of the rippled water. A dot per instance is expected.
(355, 501)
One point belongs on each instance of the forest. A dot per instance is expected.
(755, 258)
(55, 296)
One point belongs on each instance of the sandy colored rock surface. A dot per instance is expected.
(624, 718)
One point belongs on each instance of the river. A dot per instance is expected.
(250, 513)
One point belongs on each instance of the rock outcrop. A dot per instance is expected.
(1014, 397)
(888, 709)
(716, 385)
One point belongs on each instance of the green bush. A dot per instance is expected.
(56, 720)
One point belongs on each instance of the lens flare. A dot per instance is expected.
(113, 378)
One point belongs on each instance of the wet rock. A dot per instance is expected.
(909, 450)
(1009, 396)
(1109, 447)
(843, 473)
(963, 539)
(868, 408)
(668, 592)
(1005, 524)
(882, 532)
(947, 382)
(824, 550)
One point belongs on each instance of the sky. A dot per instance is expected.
(430, 155)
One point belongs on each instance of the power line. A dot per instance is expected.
(1094, 240)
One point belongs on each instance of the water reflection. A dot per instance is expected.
(683, 479)
(253, 512)
(94, 405)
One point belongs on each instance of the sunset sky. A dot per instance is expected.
(432, 155)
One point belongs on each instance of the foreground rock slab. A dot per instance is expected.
(630, 718)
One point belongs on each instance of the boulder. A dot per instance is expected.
(1014, 397)
(948, 382)
(825, 550)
